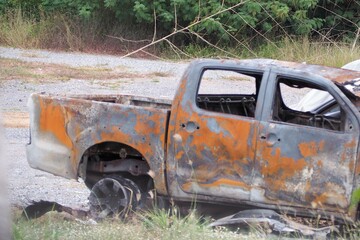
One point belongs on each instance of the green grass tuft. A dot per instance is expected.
(155, 224)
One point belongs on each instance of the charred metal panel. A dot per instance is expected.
(305, 166)
(210, 153)
(63, 128)
(215, 154)
(296, 168)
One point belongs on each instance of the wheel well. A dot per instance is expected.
(113, 158)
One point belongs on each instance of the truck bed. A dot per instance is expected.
(127, 100)
(63, 127)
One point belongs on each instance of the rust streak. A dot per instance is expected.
(224, 181)
(217, 183)
(309, 149)
(281, 167)
(52, 120)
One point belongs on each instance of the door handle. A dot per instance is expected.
(271, 139)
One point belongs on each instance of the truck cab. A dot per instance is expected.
(231, 144)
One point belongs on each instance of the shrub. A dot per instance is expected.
(333, 19)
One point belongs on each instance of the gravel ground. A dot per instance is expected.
(27, 184)
(16, 92)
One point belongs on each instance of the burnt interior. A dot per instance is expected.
(235, 104)
(243, 105)
(328, 116)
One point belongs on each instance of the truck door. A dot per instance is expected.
(306, 158)
(215, 133)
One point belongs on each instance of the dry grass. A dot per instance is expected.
(238, 77)
(334, 54)
(15, 69)
(160, 74)
(17, 31)
(33, 71)
(303, 50)
(59, 31)
(65, 32)
(15, 119)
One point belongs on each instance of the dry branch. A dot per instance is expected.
(214, 46)
(183, 29)
(128, 40)
(356, 39)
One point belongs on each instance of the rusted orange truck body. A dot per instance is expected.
(235, 149)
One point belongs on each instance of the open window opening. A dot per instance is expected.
(229, 92)
(304, 103)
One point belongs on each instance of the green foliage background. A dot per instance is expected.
(336, 19)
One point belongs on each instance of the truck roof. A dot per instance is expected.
(342, 77)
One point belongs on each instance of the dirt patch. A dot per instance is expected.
(32, 71)
(15, 119)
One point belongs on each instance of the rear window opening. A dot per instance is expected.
(229, 92)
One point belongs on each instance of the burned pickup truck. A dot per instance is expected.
(230, 137)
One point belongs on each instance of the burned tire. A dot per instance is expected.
(133, 191)
(109, 198)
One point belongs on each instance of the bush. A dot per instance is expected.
(270, 19)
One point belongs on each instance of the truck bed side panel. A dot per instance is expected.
(63, 128)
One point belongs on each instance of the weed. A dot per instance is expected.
(237, 78)
(334, 54)
(18, 31)
(159, 74)
(156, 224)
(31, 55)
(304, 50)
(59, 31)
(67, 32)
